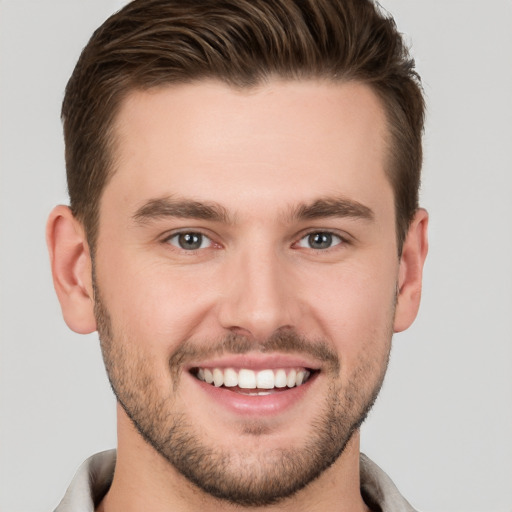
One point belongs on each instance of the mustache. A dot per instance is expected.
(288, 341)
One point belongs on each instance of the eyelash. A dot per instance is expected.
(175, 236)
(326, 233)
(329, 235)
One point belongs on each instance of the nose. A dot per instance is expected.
(258, 297)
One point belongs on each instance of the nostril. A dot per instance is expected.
(240, 331)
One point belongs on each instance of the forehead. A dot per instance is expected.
(277, 141)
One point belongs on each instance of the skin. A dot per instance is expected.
(259, 156)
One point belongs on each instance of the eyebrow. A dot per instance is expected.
(164, 207)
(332, 207)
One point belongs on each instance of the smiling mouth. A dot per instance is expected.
(251, 382)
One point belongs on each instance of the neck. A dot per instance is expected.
(144, 480)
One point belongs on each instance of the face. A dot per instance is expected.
(246, 274)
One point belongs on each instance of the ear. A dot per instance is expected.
(71, 269)
(410, 272)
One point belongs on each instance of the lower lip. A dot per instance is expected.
(257, 405)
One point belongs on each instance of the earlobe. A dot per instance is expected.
(410, 273)
(71, 269)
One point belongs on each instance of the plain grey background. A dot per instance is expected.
(442, 427)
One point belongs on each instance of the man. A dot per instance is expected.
(244, 234)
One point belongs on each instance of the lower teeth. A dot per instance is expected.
(254, 393)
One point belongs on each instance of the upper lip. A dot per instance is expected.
(256, 361)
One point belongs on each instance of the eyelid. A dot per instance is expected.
(167, 237)
(343, 237)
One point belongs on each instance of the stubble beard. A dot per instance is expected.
(241, 478)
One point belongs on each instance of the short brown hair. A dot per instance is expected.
(151, 43)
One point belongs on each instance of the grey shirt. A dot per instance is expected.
(94, 477)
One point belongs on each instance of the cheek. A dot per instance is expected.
(160, 305)
(152, 302)
(354, 307)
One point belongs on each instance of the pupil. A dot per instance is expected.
(190, 240)
(320, 240)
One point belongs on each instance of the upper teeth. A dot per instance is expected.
(250, 379)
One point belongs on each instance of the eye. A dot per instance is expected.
(320, 240)
(189, 241)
